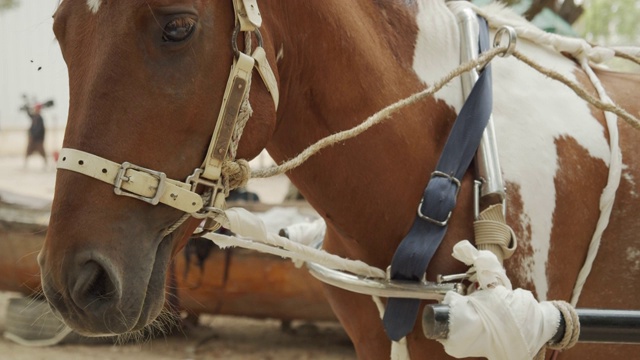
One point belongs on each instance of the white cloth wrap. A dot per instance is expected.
(309, 233)
(252, 233)
(496, 322)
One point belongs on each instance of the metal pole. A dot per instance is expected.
(596, 326)
(486, 160)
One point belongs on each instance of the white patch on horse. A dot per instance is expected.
(280, 54)
(94, 5)
(633, 256)
(531, 112)
(626, 175)
(434, 56)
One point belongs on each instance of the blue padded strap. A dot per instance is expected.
(416, 250)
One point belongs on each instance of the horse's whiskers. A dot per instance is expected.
(162, 325)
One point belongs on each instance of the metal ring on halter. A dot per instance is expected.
(234, 39)
(512, 38)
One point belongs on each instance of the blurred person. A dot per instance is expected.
(36, 134)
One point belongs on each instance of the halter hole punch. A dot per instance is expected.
(104, 171)
(80, 162)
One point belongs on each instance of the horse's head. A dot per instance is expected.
(146, 79)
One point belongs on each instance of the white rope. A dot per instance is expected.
(252, 234)
(608, 194)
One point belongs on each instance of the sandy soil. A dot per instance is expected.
(215, 337)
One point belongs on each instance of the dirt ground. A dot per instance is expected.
(216, 337)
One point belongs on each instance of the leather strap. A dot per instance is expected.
(132, 180)
(248, 14)
(234, 94)
(266, 74)
(439, 198)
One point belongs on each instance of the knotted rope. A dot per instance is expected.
(571, 332)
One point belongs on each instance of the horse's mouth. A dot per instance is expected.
(131, 306)
(154, 300)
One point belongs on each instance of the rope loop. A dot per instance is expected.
(571, 332)
(237, 173)
(572, 328)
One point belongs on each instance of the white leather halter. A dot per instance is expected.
(153, 186)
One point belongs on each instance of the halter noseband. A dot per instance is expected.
(153, 186)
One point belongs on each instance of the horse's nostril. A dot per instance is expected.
(94, 286)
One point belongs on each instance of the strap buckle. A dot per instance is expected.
(120, 178)
(444, 222)
(216, 203)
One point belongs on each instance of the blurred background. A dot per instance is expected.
(31, 63)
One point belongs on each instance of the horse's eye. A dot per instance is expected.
(179, 29)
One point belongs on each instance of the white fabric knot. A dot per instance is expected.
(488, 270)
(307, 233)
(496, 322)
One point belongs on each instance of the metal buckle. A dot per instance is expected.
(195, 180)
(120, 177)
(434, 221)
(216, 188)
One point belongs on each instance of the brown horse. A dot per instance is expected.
(147, 79)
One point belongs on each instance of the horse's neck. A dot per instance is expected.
(363, 57)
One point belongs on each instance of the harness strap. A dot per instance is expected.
(439, 198)
(131, 180)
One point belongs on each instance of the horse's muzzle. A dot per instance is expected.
(90, 298)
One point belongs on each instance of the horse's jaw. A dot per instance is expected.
(107, 295)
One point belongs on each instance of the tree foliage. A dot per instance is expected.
(603, 21)
(612, 21)
(8, 4)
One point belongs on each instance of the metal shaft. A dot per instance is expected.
(596, 326)
(487, 163)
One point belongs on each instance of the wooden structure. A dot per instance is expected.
(203, 277)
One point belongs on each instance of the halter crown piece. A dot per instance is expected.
(153, 186)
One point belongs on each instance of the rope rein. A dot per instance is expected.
(241, 173)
